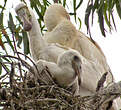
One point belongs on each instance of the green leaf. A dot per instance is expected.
(1, 6)
(43, 9)
(100, 5)
(72, 13)
(105, 16)
(6, 59)
(11, 24)
(1, 19)
(17, 30)
(79, 4)
(74, 7)
(113, 21)
(35, 3)
(101, 21)
(9, 41)
(7, 38)
(94, 7)
(18, 37)
(38, 12)
(5, 1)
(60, 1)
(1, 42)
(110, 4)
(118, 8)
(21, 23)
(19, 41)
(80, 23)
(46, 3)
(40, 23)
(87, 14)
(64, 3)
(25, 42)
(0, 67)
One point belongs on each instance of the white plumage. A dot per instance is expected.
(52, 52)
(62, 31)
(59, 58)
(47, 54)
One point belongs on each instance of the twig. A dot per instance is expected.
(15, 49)
(1, 77)
(21, 76)
(4, 67)
(24, 62)
(30, 60)
(108, 94)
(12, 74)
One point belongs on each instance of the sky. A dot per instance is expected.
(110, 45)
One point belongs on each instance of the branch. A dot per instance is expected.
(104, 95)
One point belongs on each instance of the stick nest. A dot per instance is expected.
(18, 91)
(22, 91)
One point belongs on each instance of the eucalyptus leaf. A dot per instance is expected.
(9, 41)
(38, 12)
(26, 43)
(1, 42)
(6, 59)
(64, 3)
(113, 21)
(19, 41)
(101, 21)
(80, 23)
(74, 8)
(79, 4)
(87, 14)
(0, 67)
(11, 24)
(106, 17)
(94, 7)
(118, 8)
(60, 1)
(1, 6)
(1, 19)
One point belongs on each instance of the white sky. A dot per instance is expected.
(110, 45)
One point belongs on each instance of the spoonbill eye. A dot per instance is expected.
(76, 58)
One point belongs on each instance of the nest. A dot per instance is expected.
(22, 92)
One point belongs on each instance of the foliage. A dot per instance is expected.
(104, 10)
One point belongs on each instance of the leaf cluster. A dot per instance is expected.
(104, 10)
